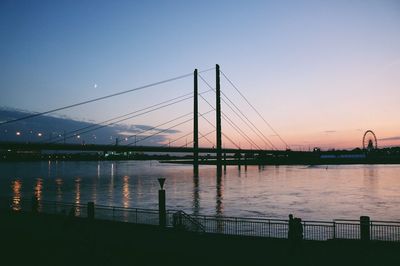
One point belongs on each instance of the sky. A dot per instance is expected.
(320, 73)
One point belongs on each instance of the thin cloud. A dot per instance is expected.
(390, 138)
(54, 128)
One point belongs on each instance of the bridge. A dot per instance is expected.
(22, 146)
(61, 142)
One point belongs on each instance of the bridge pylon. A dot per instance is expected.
(195, 125)
(218, 121)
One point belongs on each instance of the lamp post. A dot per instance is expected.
(162, 212)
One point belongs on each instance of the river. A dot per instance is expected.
(309, 192)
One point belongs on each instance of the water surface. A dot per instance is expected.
(318, 192)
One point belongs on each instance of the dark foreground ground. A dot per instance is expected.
(28, 239)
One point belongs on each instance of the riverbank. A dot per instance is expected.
(30, 239)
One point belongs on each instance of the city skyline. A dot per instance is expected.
(320, 73)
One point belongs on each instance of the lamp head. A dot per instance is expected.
(161, 181)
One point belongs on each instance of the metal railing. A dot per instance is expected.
(129, 215)
(183, 221)
(385, 231)
(257, 227)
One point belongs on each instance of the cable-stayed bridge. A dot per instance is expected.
(135, 142)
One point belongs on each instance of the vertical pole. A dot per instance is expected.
(162, 210)
(195, 127)
(365, 228)
(218, 121)
(162, 214)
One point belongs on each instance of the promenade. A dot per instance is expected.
(46, 239)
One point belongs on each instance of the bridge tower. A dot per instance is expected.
(195, 127)
(218, 122)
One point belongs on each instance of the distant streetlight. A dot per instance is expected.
(18, 133)
(39, 134)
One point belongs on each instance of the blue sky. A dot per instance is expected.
(321, 72)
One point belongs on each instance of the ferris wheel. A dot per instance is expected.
(369, 140)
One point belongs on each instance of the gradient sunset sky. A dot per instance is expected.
(320, 72)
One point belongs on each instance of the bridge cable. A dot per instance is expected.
(163, 130)
(102, 97)
(234, 126)
(99, 126)
(270, 144)
(155, 127)
(273, 130)
(208, 121)
(203, 136)
(181, 137)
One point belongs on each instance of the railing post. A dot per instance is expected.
(90, 210)
(365, 225)
(334, 230)
(237, 226)
(269, 228)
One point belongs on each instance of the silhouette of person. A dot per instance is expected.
(298, 234)
(291, 229)
(299, 229)
(291, 234)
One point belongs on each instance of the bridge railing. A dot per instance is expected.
(257, 227)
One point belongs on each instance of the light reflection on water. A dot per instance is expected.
(16, 197)
(317, 192)
(77, 195)
(125, 192)
(59, 193)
